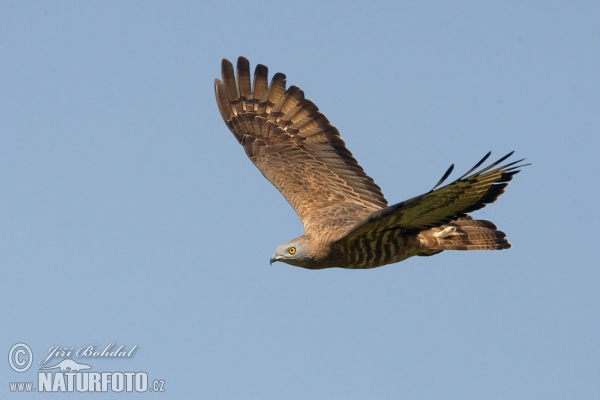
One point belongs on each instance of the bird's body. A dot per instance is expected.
(358, 253)
(346, 218)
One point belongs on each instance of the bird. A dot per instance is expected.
(347, 220)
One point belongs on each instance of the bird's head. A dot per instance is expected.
(295, 252)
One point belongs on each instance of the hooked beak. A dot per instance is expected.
(273, 259)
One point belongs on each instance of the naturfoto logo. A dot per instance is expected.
(69, 375)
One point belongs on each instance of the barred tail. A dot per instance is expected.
(465, 234)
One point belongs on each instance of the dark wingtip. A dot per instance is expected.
(505, 157)
(225, 63)
(261, 70)
(446, 174)
(243, 63)
(279, 76)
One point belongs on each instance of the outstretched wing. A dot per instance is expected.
(296, 148)
(440, 206)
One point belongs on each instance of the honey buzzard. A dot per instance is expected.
(347, 221)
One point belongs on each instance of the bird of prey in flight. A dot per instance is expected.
(347, 221)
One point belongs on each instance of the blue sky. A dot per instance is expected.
(131, 215)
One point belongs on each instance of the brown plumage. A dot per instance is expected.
(347, 221)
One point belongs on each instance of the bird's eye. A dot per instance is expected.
(292, 250)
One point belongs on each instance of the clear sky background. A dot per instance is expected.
(130, 214)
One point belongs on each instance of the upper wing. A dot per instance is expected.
(439, 206)
(295, 147)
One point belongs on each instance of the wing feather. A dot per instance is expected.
(261, 84)
(276, 90)
(296, 148)
(443, 205)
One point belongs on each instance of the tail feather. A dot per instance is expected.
(465, 234)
